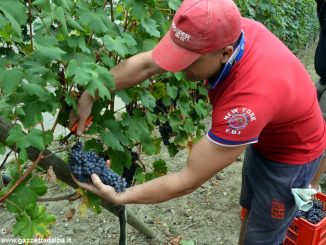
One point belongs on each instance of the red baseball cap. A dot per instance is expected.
(199, 26)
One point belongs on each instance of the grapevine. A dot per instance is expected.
(83, 164)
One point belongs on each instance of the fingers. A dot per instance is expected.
(97, 181)
(108, 163)
(72, 119)
(86, 186)
(81, 125)
(84, 108)
(106, 192)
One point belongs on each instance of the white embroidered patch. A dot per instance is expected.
(238, 119)
(181, 35)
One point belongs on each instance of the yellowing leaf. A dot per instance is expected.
(83, 209)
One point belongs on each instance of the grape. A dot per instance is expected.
(83, 164)
(6, 179)
(160, 107)
(129, 173)
(315, 214)
(165, 130)
(318, 204)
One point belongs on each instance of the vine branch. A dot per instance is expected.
(27, 172)
(30, 23)
(5, 160)
(60, 198)
(111, 9)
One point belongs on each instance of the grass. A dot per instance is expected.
(307, 57)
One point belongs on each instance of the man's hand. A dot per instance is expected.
(106, 192)
(84, 108)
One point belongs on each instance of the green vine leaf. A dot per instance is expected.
(147, 100)
(123, 94)
(2, 149)
(137, 8)
(34, 222)
(15, 13)
(173, 150)
(44, 4)
(22, 155)
(16, 136)
(20, 200)
(35, 89)
(38, 185)
(117, 131)
(189, 126)
(137, 126)
(116, 44)
(148, 145)
(150, 26)
(201, 108)
(32, 113)
(111, 141)
(10, 79)
(71, 22)
(97, 85)
(94, 202)
(35, 139)
(67, 4)
(172, 91)
(97, 20)
(140, 176)
(47, 47)
(160, 167)
(174, 4)
(59, 12)
(118, 160)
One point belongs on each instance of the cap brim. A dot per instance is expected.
(171, 57)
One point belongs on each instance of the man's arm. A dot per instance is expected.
(205, 160)
(126, 74)
(135, 70)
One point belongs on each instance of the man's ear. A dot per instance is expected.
(227, 52)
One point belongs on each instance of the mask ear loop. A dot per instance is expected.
(235, 57)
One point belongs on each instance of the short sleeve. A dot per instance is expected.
(239, 120)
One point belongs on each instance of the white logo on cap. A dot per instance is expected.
(181, 35)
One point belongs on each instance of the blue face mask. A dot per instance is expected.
(226, 68)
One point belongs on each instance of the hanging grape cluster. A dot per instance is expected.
(165, 128)
(83, 164)
(129, 173)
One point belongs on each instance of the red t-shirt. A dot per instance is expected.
(268, 99)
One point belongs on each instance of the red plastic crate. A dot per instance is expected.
(301, 231)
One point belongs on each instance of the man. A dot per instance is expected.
(263, 101)
(320, 67)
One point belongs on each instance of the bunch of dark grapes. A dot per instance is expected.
(83, 164)
(160, 107)
(315, 214)
(165, 130)
(129, 173)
